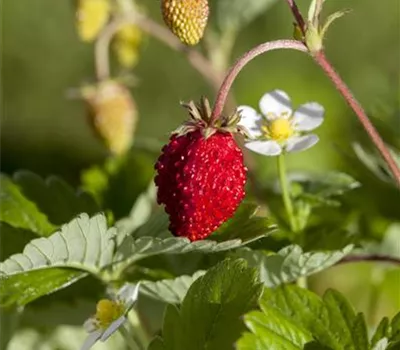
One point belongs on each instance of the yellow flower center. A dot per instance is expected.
(279, 129)
(107, 311)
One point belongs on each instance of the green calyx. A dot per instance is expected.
(200, 119)
(315, 30)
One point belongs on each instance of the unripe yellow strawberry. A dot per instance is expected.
(113, 114)
(187, 19)
(91, 17)
(126, 45)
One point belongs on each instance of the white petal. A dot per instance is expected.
(112, 328)
(266, 148)
(91, 339)
(301, 143)
(90, 325)
(275, 103)
(128, 294)
(250, 119)
(308, 117)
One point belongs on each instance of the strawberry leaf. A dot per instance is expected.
(245, 224)
(295, 318)
(215, 302)
(18, 211)
(47, 264)
(170, 291)
(290, 263)
(54, 197)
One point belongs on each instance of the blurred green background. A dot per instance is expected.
(44, 131)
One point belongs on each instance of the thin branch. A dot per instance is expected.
(196, 59)
(297, 15)
(341, 86)
(241, 63)
(371, 257)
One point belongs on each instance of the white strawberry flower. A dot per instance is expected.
(110, 315)
(279, 129)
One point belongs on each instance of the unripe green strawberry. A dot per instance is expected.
(91, 17)
(126, 45)
(112, 114)
(187, 19)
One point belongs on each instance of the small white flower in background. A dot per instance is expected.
(278, 129)
(110, 315)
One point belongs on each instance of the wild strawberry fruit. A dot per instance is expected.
(187, 19)
(200, 174)
(112, 114)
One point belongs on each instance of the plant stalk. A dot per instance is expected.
(132, 341)
(341, 86)
(285, 192)
(241, 63)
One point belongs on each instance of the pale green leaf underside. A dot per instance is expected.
(290, 263)
(133, 249)
(84, 243)
(170, 291)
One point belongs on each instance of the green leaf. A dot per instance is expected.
(156, 344)
(232, 15)
(83, 245)
(23, 288)
(54, 197)
(13, 240)
(296, 318)
(214, 303)
(245, 224)
(374, 162)
(17, 211)
(140, 213)
(170, 291)
(271, 330)
(133, 249)
(382, 344)
(290, 263)
(172, 327)
(381, 331)
(319, 189)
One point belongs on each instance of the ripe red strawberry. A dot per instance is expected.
(201, 176)
(187, 19)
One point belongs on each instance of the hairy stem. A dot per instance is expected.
(196, 59)
(241, 63)
(370, 257)
(297, 15)
(340, 85)
(285, 192)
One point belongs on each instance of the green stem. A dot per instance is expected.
(302, 282)
(133, 342)
(285, 192)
